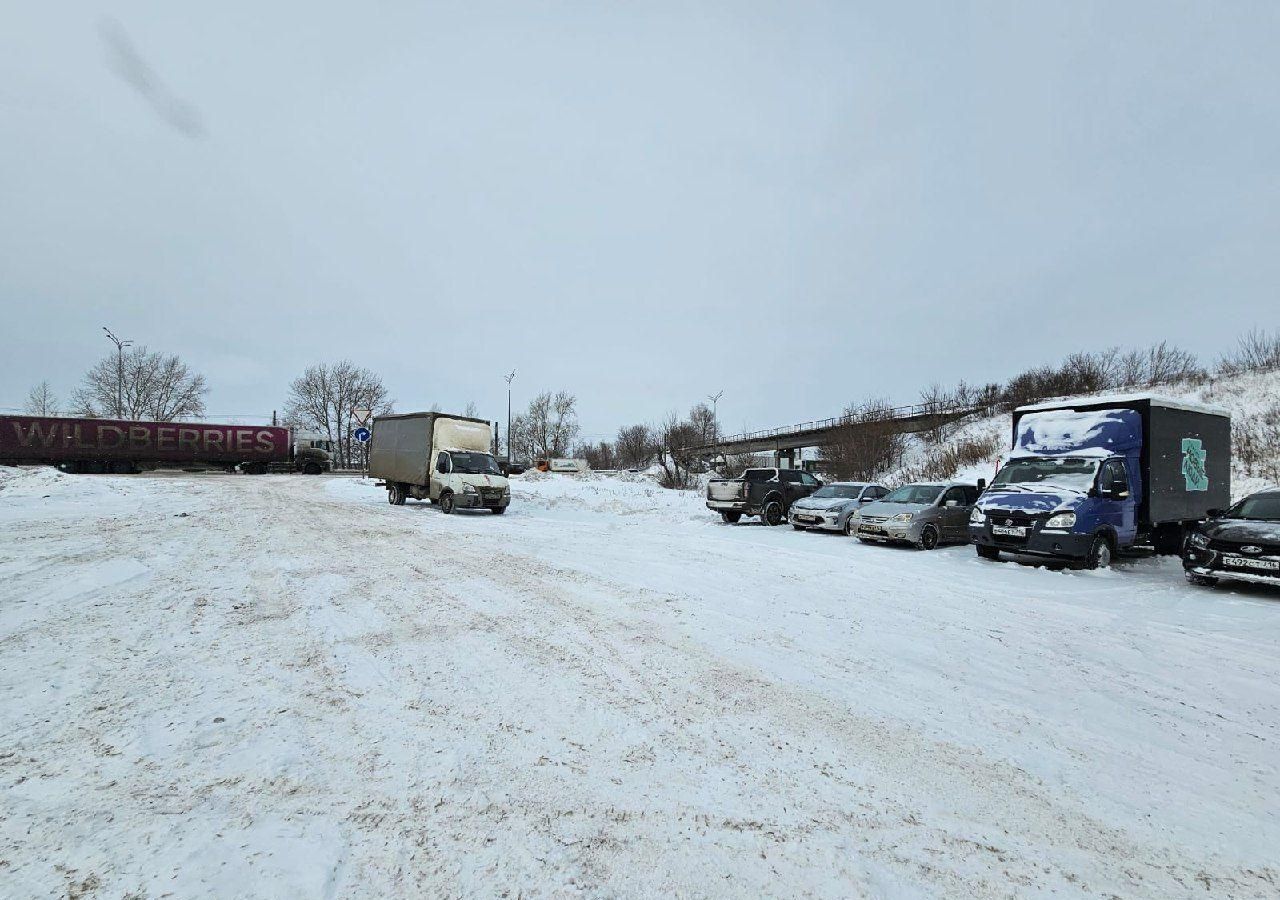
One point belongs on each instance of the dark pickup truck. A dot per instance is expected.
(767, 493)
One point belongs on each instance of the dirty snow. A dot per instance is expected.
(282, 686)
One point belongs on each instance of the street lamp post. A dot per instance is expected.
(715, 422)
(509, 378)
(120, 345)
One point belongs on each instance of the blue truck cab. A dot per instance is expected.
(1088, 479)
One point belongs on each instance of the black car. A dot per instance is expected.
(1242, 543)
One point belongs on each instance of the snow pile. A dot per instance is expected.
(620, 494)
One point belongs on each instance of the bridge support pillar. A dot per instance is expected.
(784, 459)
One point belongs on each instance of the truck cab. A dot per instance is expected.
(1086, 480)
(468, 479)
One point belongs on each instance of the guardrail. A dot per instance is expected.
(893, 414)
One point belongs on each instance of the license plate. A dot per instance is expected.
(1009, 530)
(1242, 563)
(870, 529)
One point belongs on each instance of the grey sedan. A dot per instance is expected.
(831, 507)
(925, 515)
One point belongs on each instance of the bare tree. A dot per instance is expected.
(470, 409)
(598, 456)
(547, 428)
(41, 401)
(149, 386)
(703, 421)
(866, 444)
(674, 439)
(324, 398)
(1256, 351)
(636, 446)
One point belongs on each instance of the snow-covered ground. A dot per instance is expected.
(283, 687)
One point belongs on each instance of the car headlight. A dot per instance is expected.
(468, 489)
(903, 517)
(977, 516)
(1198, 540)
(1061, 520)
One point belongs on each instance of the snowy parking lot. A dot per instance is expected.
(281, 686)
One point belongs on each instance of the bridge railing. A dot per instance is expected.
(896, 413)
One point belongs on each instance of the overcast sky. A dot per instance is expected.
(800, 204)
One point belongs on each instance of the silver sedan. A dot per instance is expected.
(832, 506)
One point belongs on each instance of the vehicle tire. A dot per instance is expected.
(850, 527)
(731, 518)
(446, 502)
(1100, 553)
(928, 538)
(499, 510)
(773, 514)
(395, 493)
(1201, 580)
(987, 552)
(311, 469)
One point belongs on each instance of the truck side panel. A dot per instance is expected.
(400, 449)
(39, 439)
(1189, 462)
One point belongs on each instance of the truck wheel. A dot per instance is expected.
(730, 518)
(772, 514)
(395, 493)
(446, 503)
(311, 469)
(928, 538)
(1201, 580)
(987, 552)
(1099, 556)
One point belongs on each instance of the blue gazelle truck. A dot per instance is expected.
(1090, 478)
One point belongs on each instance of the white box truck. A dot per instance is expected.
(438, 457)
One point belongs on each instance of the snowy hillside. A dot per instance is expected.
(1252, 399)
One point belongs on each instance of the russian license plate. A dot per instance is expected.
(1241, 562)
(1009, 530)
(870, 529)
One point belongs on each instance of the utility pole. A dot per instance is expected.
(509, 378)
(120, 345)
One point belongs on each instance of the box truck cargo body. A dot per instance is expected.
(438, 457)
(1088, 478)
(122, 446)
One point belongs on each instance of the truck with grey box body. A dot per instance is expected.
(438, 457)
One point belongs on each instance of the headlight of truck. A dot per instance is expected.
(977, 516)
(1198, 540)
(903, 517)
(1061, 520)
(468, 489)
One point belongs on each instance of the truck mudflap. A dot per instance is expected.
(1053, 544)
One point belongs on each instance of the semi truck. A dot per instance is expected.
(83, 445)
(1090, 478)
(438, 457)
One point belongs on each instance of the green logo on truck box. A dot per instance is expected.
(1193, 469)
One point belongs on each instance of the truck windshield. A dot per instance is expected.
(1073, 473)
(844, 491)
(913, 493)
(474, 464)
(1263, 507)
